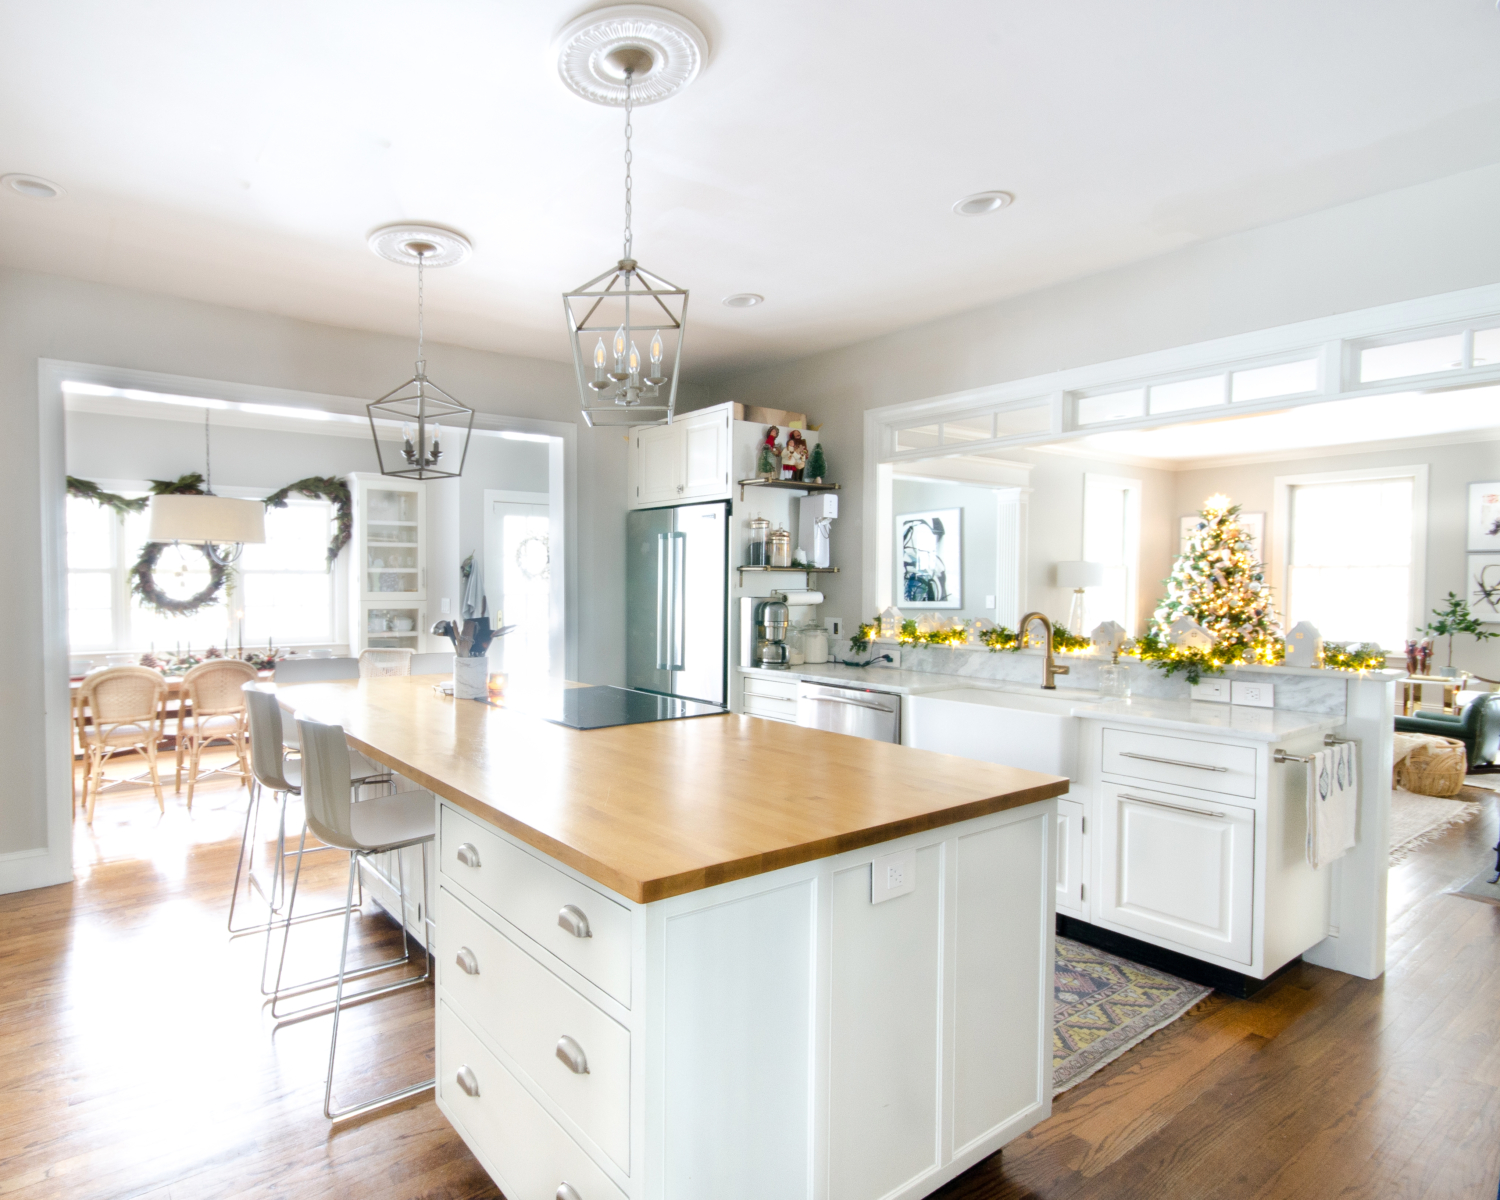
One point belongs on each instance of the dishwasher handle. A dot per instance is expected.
(820, 696)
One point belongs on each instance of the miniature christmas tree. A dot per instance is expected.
(817, 465)
(1217, 582)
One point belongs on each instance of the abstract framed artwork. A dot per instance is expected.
(1484, 587)
(1484, 517)
(929, 558)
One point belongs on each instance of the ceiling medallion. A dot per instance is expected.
(662, 51)
(408, 244)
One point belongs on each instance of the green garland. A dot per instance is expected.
(323, 487)
(143, 583)
(999, 638)
(84, 490)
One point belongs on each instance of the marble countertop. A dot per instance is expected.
(1257, 724)
(903, 683)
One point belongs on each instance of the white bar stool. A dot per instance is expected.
(374, 826)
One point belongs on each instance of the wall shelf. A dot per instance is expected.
(786, 485)
(808, 571)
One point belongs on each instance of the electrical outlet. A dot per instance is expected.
(1256, 695)
(891, 648)
(1215, 691)
(989, 602)
(445, 606)
(894, 875)
(835, 626)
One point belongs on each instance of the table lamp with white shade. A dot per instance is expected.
(1078, 575)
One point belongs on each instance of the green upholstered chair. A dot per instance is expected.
(1477, 727)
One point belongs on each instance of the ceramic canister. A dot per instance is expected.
(469, 677)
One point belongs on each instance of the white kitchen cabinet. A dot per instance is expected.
(780, 1035)
(769, 696)
(388, 563)
(686, 460)
(1178, 870)
(1072, 835)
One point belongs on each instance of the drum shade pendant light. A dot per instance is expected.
(627, 324)
(419, 408)
(220, 524)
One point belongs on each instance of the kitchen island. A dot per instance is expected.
(721, 956)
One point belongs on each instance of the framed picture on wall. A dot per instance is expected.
(929, 557)
(1254, 522)
(1484, 517)
(1484, 587)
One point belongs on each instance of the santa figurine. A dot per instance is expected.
(794, 456)
(768, 466)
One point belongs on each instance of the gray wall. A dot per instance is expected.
(1419, 241)
(44, 316)
(1452, 469)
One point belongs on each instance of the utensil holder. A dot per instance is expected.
(469, 677)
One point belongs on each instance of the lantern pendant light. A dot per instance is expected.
(613, 56)
(419, 408)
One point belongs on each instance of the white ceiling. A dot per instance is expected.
(239, 152)
(1339, 426)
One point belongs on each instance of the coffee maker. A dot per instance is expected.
(771, 621)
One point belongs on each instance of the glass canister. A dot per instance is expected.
(779, 548)
(795, 656)
(814, 643)
(760, 531)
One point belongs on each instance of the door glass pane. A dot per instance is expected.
(1411, 358)
(518, 582)
(1187, 393)
(1486, 347)
(1284, 379)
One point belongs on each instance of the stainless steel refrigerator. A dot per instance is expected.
(676, 600)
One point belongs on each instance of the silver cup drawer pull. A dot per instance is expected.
(467, 963)
(566, 1191)
(571, 1055)
(572, 918)
(468, 855)
(467, 1080)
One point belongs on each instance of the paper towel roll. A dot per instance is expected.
(803, 599)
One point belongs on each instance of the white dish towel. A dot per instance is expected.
(1332, 803)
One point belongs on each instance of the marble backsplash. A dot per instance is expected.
(1297, 691)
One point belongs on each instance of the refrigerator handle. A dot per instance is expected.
(664, 597)
(679, 601)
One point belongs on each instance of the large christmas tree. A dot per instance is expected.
(1217, 582)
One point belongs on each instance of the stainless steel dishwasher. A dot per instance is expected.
(855, 711)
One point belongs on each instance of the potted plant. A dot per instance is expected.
(1454, 618)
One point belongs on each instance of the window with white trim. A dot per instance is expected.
(1350, 558)
(1112, 537)
(279, 592)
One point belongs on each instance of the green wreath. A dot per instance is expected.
(143, 582)
(323, 487)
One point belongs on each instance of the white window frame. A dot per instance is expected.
(1279, 553)
(1133, 489)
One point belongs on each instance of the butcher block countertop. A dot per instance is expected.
(669, 807)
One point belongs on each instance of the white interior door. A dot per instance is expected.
(517, 569)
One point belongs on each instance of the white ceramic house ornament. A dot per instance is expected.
(1190, 635)
(1108, 638)
(890, 621)
(1304, 646)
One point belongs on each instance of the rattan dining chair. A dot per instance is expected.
(377, 662)
(119, 709)
(212, 709)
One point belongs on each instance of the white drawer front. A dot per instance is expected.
(777, 710)
(535, 896)
(1178, 871)
(529, 1153)
(526, 1010)
(771, 689)
(1184, 762)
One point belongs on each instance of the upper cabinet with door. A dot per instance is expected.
(688, 460)
(388, 563)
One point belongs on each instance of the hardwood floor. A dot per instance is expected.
(136, 1059)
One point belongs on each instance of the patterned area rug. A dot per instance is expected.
(1416, 820)
(1105, 1005)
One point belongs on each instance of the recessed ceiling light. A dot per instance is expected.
(743, 300)
(30, 185)
(983, 202)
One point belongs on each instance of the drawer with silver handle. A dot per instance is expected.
(571, 1049)
(770, 689)
(776, 710)
(530, 1155)
(584, 928)
(1204, 766)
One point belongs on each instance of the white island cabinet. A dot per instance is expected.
(782, 1035)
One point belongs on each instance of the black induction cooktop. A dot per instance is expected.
(601, 706)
